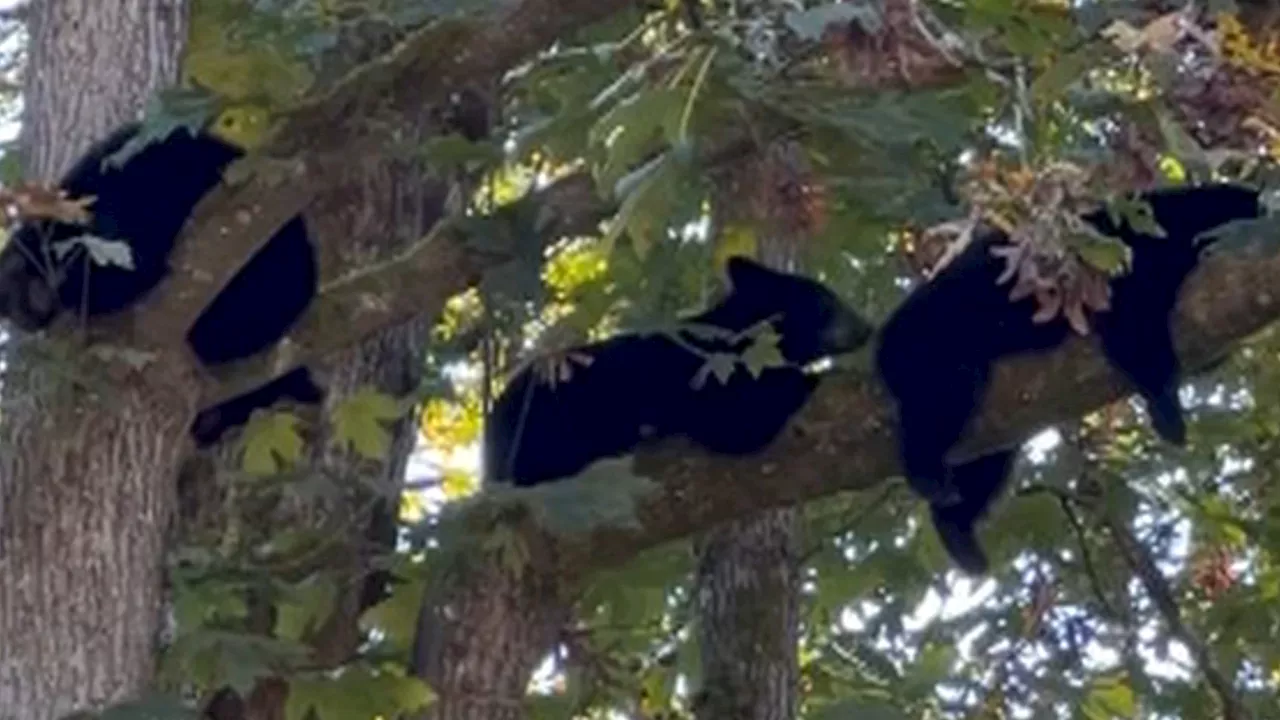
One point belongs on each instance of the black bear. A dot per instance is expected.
(636, 387)
(937, 349)
(145, 201)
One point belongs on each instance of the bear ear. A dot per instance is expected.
(744, 272)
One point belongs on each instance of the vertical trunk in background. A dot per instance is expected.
(86, 475)
(385, 204)
(748, 599)
(748, 586)
(380, 205)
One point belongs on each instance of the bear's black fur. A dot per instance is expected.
(937, 349)
(637, 387)
(146, 201)
(295, 386)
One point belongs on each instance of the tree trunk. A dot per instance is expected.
(748, 586)
(483, 632)
(386, 204)
(86, 474)
(748, 618)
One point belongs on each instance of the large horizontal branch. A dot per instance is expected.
(844, 439)
(311, 141)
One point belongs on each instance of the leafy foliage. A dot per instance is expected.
(360, 422)
(358, 692)
(889, 110)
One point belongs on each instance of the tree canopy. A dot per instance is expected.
(603, 158)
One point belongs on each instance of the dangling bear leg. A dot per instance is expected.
(980, 483)
(1144, 353)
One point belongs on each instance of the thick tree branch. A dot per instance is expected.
(230, 224)
(844, 439)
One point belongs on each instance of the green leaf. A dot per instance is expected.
(355, 693)
(305, 605)
(1108, 254)
(637, 594)
(932, 668)
(209, 601)
(10, 164)
(176, 109)
(1181, 145)
(359, 422)
(640, 194)
(763, 352)
(397, 616)
(1110, 698)
(271, 443)
(1138, 213)
(446, 152)
(1053, 82)
(213, 658)
(720, 365)
(633, 129)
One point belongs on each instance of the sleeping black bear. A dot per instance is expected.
(936, 351)
(637, 387)
(145, 201)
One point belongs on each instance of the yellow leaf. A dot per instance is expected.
(359, 422)
(271, 442)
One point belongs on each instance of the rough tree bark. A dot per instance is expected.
(86, 471)
(484, 631)
(748, 601)
(748, 576)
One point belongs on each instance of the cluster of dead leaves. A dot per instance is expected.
(1046, 256)
(911, 50)
(1211, 571)
(27, 201)
(1231, 102)
(1224, 92)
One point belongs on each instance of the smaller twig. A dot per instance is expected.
(1095, 580)
(1158, 589)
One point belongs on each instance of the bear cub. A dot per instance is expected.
(145, 201)
(937, 349)
(636, 387)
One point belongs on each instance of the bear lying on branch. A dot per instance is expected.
(47, 267)
(634, 388)
(936, 351)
